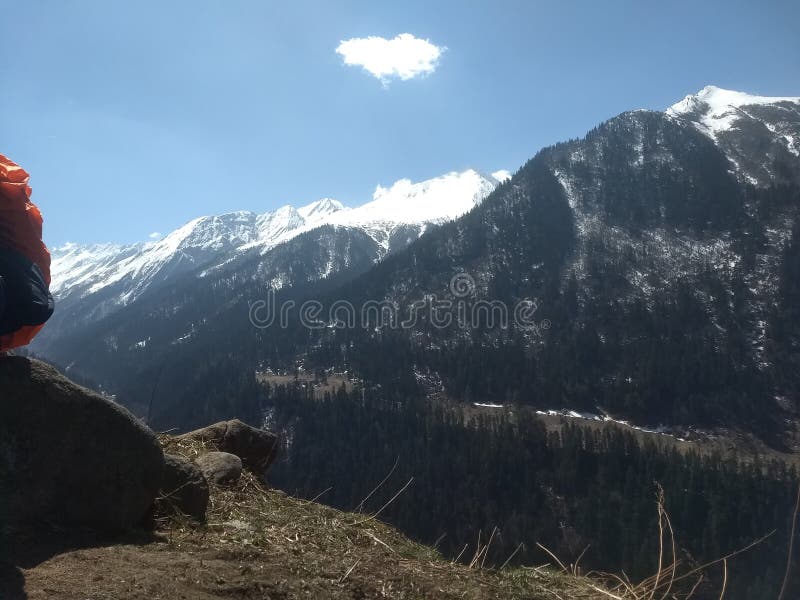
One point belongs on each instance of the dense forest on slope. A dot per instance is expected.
(572, 490)
(665, 282)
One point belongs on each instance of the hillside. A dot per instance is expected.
(661, 261)
(95, 506)
(657, 262)
(261, 543)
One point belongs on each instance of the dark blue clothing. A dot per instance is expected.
(24, 295)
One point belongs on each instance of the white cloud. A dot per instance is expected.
(403, 57)
(155, 235)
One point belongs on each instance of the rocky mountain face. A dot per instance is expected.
(661, 252)
(758, 134)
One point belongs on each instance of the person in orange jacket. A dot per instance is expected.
(25, 299)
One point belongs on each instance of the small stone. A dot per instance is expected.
(220, 467)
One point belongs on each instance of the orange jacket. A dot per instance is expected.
(20, 230)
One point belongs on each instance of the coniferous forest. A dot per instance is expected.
(577, 492)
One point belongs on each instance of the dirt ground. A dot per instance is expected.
(235, 561)
(161, 571)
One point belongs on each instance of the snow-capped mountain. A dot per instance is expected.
(662, 249)
(102, 277)
(760, 138)
(739, 122)
(86, 270)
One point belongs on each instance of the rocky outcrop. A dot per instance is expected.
(257, 448)
(184, 488)
(69, 456)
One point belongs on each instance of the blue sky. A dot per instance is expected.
(134, 117)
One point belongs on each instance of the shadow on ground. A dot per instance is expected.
(23, 551)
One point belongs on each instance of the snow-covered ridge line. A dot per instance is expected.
(714, 110)
(86, 270)
(720, 100)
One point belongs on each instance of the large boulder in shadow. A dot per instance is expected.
(184, 488)
(69, 456)
(256, 447)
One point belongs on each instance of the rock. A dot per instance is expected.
(68, 456)
(257, 448)
(220, 467)
(184, 488)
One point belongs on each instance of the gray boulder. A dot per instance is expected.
(184, 488)
(257, 448)
(220, 467)
(69, 456)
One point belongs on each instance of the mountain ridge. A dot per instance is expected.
(771, 122)
(91, 268)
(641, 236)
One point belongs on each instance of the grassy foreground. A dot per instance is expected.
(260, 543)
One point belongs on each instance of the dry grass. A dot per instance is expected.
(260, 543)
(335, 551)
(672, 580)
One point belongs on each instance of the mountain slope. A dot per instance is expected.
(658, 251)
(663, 272)
(262, 543)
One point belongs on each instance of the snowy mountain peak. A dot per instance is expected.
(740, 123)
(719, 101)
(212, 233)
(320, 208)
(715, 110)
(81, 271)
